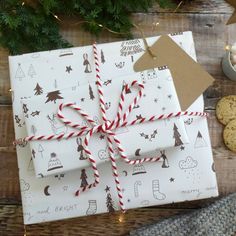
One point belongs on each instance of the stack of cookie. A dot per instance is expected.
(226, 114)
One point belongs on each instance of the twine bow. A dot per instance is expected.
(108, 128)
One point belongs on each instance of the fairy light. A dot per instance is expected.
(57, 17)
(227, 47)
(121, 218)
(23, 3)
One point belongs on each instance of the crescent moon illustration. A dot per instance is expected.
(137, 152)
(46, 191)
(213, 167)
(125, 172)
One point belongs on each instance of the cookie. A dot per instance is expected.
(229, 135)
(226, 109)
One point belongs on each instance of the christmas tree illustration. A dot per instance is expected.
(38, 90)
(31, 71)
(102, 57)
(110, 203)
(200, 141)
(53, 96)
(83, 178)
(41, 149)
(19, 73)
(177, 136)
(91, 95)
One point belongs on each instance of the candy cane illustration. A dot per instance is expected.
(136, 186)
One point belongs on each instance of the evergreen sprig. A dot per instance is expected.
(30, 25)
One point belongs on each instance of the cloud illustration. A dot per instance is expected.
(188, 163)
(24, 186)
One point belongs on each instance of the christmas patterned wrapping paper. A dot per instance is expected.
(51, 157)
(183, 174)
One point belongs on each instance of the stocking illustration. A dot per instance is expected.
(92, 208)
(156, 190)
(83, 178)
(80, 149)
(86, 64)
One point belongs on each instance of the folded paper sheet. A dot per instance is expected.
(183, 174)
(51, 157)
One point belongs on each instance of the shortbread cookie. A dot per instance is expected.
(226, 109)
(229, 135)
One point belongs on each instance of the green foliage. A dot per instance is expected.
(33, 27)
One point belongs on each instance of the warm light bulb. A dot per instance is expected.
(121, 218)
(227, 48)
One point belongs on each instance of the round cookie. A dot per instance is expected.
(229, 135)
(226, 109)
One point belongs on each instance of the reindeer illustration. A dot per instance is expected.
(80, 149)
(165, 163)
(56, 125)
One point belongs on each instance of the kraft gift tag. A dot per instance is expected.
(190, 79)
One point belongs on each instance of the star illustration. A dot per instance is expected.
(163, 108)
(35, 113)
(128, 200)
(155, 100)
(68, 69)
(82, 99)
(169, 96)
(122, 190)
(107, 189)
(102, 136)
(159, 87)
(144, 95)
(172, 179)
(182, 148)
(232, 19)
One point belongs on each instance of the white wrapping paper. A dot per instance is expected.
(141, 140)
(183, 174)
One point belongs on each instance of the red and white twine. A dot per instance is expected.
(108, 128)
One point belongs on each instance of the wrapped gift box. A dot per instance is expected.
(145, 139)
(183, 174)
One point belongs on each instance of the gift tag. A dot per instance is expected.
(190, 79)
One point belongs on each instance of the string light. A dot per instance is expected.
(57, 17)
(227, 48)
(121, 218)
(23, 3)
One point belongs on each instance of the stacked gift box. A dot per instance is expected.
(51, 171)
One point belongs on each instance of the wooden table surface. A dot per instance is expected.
(207, 20)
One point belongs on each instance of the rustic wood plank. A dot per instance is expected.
(198, 6)
(112, 224)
